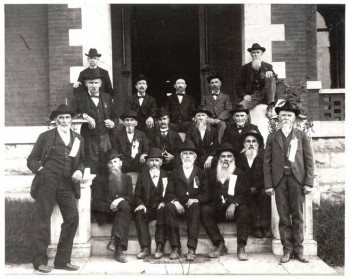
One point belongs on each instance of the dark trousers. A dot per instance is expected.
(143, 234)
(211, 215)
(260, 208)
(289, 203)
(54, 188)
(173, 218)
(95, 146)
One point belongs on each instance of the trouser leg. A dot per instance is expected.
(121, 223)
(172, 223)
(210, 225)
(221, 126)
(269, 90)
(143, 233)
(192, 220)
(242, 220)
(161, 231)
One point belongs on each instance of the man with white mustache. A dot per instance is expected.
(258, 81)
(289, 173)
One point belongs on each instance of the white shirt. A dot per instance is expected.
(188, 172)
(180, 98)
(155, 176)
(130, 136)
(141, 99)
(64, 136)
(250, 162)
(95, 100)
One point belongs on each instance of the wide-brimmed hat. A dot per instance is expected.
(140, 77)
(214, 75)
(287, 107)
(129, 114)
(162, 112)
(202, 109)
(93, 52)
(61, 109)
(92, 74)
(178, 76)
(239, 108)
(112, 154)
(255, 47)
(154, 153)
(188, 145)
(225, 147)
(253, 133)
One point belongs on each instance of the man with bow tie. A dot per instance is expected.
(229, 192)
(240, 123)
(149, 195)
(219, 105)
(96, 107)
(144, 104)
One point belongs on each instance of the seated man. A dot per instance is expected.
(132, 143)
(166, 139)
(251, 160)
(258, 82)
(229, 191)
(149, 201)
(205, 138)
(113, 195)
(187, 190)
(240, 124)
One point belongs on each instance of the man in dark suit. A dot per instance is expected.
(144, 104)
(180, 106)
(96, 107)
(57, 159)
(187, 191)
(132, 143)
(219, 105)
(258, 81)
(289, 173)
(240, 124)
(149, 202)
(251, 160)
(229, 191)
(205, 138)
(166, 139)
(112, 195)
(93, 57)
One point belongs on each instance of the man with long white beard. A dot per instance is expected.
(289, 173)
(112, 196)
(187, 191)
(229, 191)
(250, 160)
(258, 81)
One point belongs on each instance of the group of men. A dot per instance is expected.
(220, 172)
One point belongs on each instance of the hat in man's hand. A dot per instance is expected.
(61, 109)
(93, 53)
(255, 47)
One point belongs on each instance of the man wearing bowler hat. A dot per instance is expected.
(57, 159)
(218, 103)
(144, 104)
(97, 108)
(93, 57)
(289, 173)
(258, 81)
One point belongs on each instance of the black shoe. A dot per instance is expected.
(220, 250)
(159, 251)
(300, 257)
(242, 256)
(285, 258)
(119, 255)
(191, 254)
(67, 266)
(257, 233)
(145, 252)
(43, 268)
(175, 253)
(111, 244)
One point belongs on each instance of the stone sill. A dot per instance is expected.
(332, 91)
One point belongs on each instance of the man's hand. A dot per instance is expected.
(161, 205)
(180, 209)
(210, 120)
(141, 207)
(191, 201)
(269, 74)
(77, 176)
(230, 211)
(307, 189)
(247, 98)
(92, 123)
(142, 158)
(76, 84)
(207, 164)
(150, 122)
(269, 191)
(253, 190)
(115, 203)
(109, 124)
(168, 157)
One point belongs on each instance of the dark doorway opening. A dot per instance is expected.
(164, 43)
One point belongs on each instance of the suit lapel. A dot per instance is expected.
(279, 138)
(50, 142)
(86, 103)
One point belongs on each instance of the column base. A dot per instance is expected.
(310, 247)
(80, 250)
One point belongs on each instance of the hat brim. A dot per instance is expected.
(153, 157)
(213, 77)
(278, 109)
(122, 117)
(220, 150)
(256, 135)
(189, 149)
(207, 112)
(98, 55)
(257, 48)
(239, 110)
(55, 113)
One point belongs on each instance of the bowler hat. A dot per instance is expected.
(225, 147)
(239, 108)
(112, 154)
(154, 153)
(162, 112)
(129, 114)
(92, 74)
(202, 109)
(253, 133)
(93, 52)
(214, 75)
(255, 47)
(61, 109)
(188, 145)
(177, 77)
(141, 77)
(287, 107)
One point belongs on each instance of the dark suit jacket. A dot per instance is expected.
(106, 81)
(147, 109)
(175, 109)
(220, 108)
(42, 149)
(175, 140)
(302, 167)
(120, 140)
(179, 190)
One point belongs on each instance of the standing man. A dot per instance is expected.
(251, 161)
(96, 107)
(229, 191)
(180, 106)
(187, 191)
(149, 201)
(112, 194)
(57, 159)
(144, 104)
(289, 173)
(93, 57)
(258, 81)
(219, 105)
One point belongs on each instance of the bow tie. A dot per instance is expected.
(140, 97)
(94, 96)
(180, 94)
(215, 94)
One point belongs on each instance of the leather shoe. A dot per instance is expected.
(145, 252)
(43, 268)
(220, 250)
(191, 254)
(67, 266)
(257, 233)
(159, 251)
(300, 257)
(242, 256)
(286, 257)
(111, 244)
(175, 253)
(119, 255)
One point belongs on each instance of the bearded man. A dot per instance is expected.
(250, 160)
(229, 191)
(289, 173)
(112, 196)
(258, 81)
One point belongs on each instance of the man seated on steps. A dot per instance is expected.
(112, 194)
(229, 191)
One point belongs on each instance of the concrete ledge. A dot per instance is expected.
(310, 247)
(80, 250)
(328, 129)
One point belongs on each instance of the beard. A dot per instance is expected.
(187, 164)
(256, 64)
(224, 170)
(130, 129)
(114, 183)
(201, 125)
(154, 169)
(251, 153)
